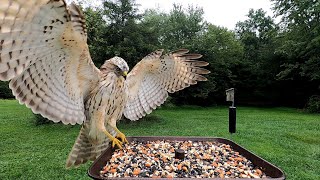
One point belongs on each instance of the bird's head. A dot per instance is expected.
(117, 65)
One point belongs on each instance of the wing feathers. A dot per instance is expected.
(156, 75)
(155, 54)
(198, 70)
(77, 18)
(191, 56)
(180, 52)
(195, 63)
(43, 52)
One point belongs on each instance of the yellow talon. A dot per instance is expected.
(122, 137)
(116, 142)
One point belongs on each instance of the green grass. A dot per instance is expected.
(285, 137)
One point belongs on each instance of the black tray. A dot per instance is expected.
(270, 170)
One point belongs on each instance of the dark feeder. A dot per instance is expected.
(179, 153)
(232, 110)
(271, 171)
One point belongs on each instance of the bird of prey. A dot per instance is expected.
(44, 54)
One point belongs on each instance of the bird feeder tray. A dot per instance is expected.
(270, 171)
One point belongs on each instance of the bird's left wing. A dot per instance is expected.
(43, 51)
(155, 75)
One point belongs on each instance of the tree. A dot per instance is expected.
(301, 22)
(96, 26)
(259, 36)
(224, 53)
(268, 63)
(301, 45)
(114, 30)
(181, 28)
(123, 35)
(178, 29)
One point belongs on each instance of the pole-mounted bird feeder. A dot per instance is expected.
(232, 110)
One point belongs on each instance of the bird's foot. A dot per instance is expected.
(116, 142)
(122, 137)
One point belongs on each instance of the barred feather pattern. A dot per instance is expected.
(84, 149)
(153, 77)
(43, 52)
(102, 109)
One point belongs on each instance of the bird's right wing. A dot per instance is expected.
(43, 51)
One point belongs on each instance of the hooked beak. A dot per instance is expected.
(125, 73)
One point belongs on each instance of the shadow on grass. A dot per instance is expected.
(40, 120)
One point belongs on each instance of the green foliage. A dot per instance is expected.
(224, 53)
(182, 28)
(177, 29)
(300, 47)
(5, 91)
(113, 30)
(258, 35)
(96, 26)
(123, 35)
(313, 105)
(186, 28)
(268, 64)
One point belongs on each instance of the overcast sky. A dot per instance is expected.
(224, 13)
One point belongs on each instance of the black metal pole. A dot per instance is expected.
(232, 119)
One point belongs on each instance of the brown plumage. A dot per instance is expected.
(44, 54)
(103, 107)
(156, 75)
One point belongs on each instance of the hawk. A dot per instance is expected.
(44, 54)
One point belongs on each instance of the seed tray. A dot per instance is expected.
(271, 171)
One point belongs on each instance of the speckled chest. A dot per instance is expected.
(114, 95)
(108, 98)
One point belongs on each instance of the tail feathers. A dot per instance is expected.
(83, 150)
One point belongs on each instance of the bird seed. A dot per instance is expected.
(157, 159)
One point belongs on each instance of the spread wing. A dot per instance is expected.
(43, 51)
(155, 75)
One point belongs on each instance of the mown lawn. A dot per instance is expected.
(286, 137)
